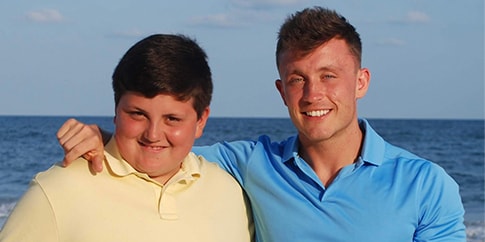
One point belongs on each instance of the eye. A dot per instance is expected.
(173, 119)
(136, 114)
(328, 76)
(295, 80)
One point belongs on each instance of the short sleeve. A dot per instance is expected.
(32, 219)
(441, 209)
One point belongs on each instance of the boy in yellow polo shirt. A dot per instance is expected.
(154, 188)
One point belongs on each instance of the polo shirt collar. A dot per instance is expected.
(189, 171)
(290, 149)
(373, 147)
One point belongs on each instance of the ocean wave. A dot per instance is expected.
(475, 231)
(5, 209)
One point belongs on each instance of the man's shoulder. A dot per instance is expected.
(411, 164)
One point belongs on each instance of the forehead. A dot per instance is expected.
(334, 52)
(161, 99)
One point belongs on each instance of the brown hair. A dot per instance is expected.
(305, 30)
(165, 64)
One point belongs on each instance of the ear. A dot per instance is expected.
(363, 81)
(202, 122)
(116, 115)
(279, 86)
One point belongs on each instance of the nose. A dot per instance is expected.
(313, 91)
(153, 132)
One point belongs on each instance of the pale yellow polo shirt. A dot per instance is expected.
(200, 203)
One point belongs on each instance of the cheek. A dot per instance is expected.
(345, 98)
(182, 136)
(292, 96)
(128, 128)
(176, 134)
(343, 92)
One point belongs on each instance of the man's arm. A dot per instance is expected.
(79, 139)
(442, 212)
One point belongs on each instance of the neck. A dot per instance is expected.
(328, 157)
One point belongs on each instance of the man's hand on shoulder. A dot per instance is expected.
(79, 139)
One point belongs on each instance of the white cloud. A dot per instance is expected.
(417, 17)
(412, 17)
(45, 16)
(132, 33)
(266, 3)
(392, 42)
(240, 13)
(217, 20)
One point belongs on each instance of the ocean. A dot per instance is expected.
(28, 145)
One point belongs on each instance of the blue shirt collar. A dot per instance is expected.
(372, 152)
(290, 149)
(373, 148)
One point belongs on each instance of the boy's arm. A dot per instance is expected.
(32, 219)
(79, 139)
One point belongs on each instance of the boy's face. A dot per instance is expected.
(155, 134)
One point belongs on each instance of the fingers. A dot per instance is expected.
(96, 158)
(67, 131)
(78, 139)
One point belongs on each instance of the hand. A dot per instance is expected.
(79, 139)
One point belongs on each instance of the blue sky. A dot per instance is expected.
(426, 57)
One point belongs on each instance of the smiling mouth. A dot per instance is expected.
(151, 147)
(317, 113)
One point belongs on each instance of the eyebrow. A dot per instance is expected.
(331, 68)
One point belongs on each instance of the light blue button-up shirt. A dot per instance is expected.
(388, 194)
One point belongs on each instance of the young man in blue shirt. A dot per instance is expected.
(337, 179)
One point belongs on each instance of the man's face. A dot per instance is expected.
(321, 90)
(155, 134)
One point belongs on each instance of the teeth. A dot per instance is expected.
(152, 147)
(317, 113)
